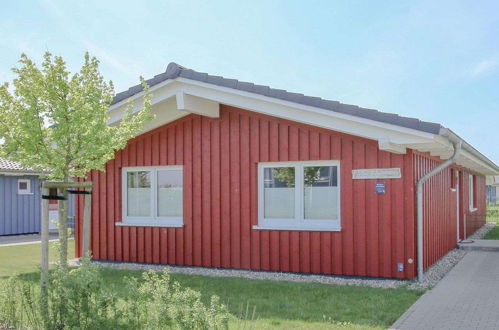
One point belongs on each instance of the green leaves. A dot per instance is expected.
(53, 121)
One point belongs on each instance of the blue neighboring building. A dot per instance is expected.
(19, 199)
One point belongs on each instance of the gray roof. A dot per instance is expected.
(10, 165)
(174, 71)
(14, 167)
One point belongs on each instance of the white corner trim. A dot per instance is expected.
(131, 224)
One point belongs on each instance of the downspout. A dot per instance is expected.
(419, 198)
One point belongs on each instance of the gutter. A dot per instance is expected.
(455, 139)
(419, 198)
(20, 173)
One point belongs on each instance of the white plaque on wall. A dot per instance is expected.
(377, 173)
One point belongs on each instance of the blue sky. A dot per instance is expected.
(433, 60)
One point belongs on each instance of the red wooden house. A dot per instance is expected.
(236, 175)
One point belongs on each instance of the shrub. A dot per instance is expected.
(19, 304)
(158, 302)
(78, 299)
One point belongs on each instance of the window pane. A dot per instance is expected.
(170, 193)
(139, 193)
(471, 192)
(320, 192)
(23, 185)
(279, 193)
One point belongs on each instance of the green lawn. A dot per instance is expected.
(283, 305)
(19, 259)
(493, 216)
(493, 233)
(493, 213)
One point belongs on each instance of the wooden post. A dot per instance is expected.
(87, 209)
(46, 185)
(45, 255)
(63, 228)
(45, 234)
(87, 201)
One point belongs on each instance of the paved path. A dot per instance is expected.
(480, 245)
(24, 239)
(466, 298)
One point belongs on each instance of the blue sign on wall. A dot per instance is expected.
(380, 188)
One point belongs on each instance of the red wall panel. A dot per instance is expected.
(440, 207)
(220, 157)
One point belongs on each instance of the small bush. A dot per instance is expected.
(19, 304)
(78, 299)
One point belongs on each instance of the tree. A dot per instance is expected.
(287, 174)
(56, 122)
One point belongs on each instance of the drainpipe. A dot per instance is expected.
(419, 197)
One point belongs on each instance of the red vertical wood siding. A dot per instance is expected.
(440, 208)
(220, 157)
(471, 221)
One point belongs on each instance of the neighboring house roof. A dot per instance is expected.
(494, 181)
(8, 166)
(174, 71)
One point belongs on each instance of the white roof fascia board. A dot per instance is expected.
(390, 137)
(209, 88)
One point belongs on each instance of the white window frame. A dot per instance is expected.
(471, 193)
(154, 220)
(298, 222)
(26, 191)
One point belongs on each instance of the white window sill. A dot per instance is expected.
(145, 224)
(297, 228)
(473, 209)
(23, 193)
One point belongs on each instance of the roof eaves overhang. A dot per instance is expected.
(390, 137)
(19, 173)
(473, 153)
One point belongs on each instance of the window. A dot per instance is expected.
(472, 192)
(152, 196)
(24, 186)
(299, 196)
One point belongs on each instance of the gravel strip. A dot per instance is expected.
(261, 275)
(431, 277)
(439, 269)
(480, 233)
